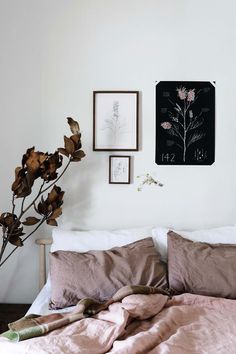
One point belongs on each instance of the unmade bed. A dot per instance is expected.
(188, 307)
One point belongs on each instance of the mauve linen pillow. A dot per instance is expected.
(99, 274)
(201, 268)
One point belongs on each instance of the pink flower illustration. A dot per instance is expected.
(166, 125)
(191, 95)
(183, 120)
(182, 93)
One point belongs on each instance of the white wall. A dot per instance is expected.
(54, 53)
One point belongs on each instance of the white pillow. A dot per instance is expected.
(83, 241)
(225, 234)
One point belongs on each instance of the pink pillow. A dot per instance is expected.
(201, 268)
(99, 274)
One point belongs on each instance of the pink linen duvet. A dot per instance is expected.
(140, 324)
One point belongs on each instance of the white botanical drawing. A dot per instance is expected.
(115, 123)
(120, 172)
(119, 169)
(115, 120)
(183, 122)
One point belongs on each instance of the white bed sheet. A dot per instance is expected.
(40, 306)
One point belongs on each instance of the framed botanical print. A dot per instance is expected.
(185, 123)
(115, 120)
(119, 169)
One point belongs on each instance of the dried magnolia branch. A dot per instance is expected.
(38, 165)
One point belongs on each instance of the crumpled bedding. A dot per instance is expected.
(143, 324)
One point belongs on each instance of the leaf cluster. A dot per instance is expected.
(45, 166)
(72, 145)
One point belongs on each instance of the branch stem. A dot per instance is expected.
(13, 203)
(4, 244)
(36, 228)
(22, 205)
(23, 211)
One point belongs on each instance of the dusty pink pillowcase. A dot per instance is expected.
(99, 274)
(201, 268)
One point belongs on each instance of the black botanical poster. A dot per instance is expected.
(185, 123)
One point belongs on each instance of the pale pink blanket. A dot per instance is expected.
(142, 324)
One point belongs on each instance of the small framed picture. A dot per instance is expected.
(115, 120)
(119, 169)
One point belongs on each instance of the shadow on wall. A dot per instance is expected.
(16, 270)
(78, 197)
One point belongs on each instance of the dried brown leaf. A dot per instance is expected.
(77, 156)
(16, 241)
(23, 183)
(31, 220)
(56, 213)
(26, 155)
(52, 195)
(50, 208)
(63, 151)
(7, 219)
(33, 160)
(74, 125)
(51, 222)
(50, 167)
(17, 170)
(76, 140)
(69, 145)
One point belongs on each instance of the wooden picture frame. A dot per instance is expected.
(115, 120)
(119, 169)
